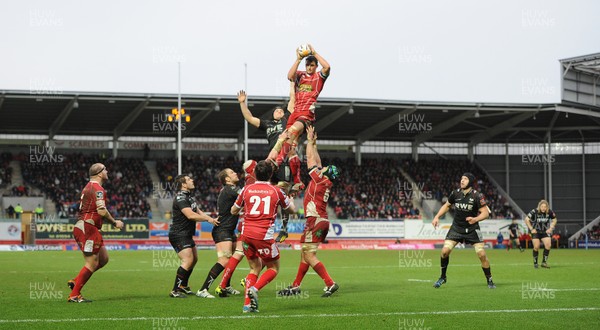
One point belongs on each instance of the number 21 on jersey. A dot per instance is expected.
(257, 201)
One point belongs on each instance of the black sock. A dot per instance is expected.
(444, 263)
(212, 275)
(546, 253)
(180, 278)
(488, 273)
(187, 277)
(535, 257)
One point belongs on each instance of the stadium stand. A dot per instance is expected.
(127, 189)
(363, 193)
(204, 171)
(441, 176)
(5, 169)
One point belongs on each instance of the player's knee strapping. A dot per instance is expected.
(239, 252)
(310, 247)
(449, 245)
(226, 254)
(478, 248)
(293, 134)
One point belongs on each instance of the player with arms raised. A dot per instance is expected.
(274, 128)
(470, 207)
(308, 86)
(317, 223)
(260, 200)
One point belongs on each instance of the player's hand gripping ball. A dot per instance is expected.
(303, 50)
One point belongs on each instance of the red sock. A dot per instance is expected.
(320, 269)
(231, 265)
(295, 168)
(250, 281)
(285, 149)
(80, 280)
(302, 269)
(265, 278)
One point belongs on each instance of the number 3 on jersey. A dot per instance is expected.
(256, 201)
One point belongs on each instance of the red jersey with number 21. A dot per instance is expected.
(317, 194)
(260, 201)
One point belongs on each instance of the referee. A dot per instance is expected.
(181, 234)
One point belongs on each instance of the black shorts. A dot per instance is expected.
(284, 173)
(540, 234)
(180, 243)
(223, 235)
(463, 236)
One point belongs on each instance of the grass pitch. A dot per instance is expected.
(378, 290)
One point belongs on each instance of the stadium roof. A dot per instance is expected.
(587, 63)
(120, 114)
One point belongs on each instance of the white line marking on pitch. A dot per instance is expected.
(169, 269)
(219, 317)
(547, 289)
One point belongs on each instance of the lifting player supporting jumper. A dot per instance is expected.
(317, 223)
(260, 200)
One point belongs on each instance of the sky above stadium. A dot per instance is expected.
(464, 50)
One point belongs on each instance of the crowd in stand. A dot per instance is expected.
(203, 170)
(594, 233)
(438, 177)
(5, 169)
(370, 191)
(374, 190)
(128, 186)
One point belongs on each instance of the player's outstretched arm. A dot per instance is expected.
(312, 155)
(199, 216)
(292, 207)
(292, 72)
(246, 111)
(440, 213)
(326, 68)
(235, 210)
(292, 101)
